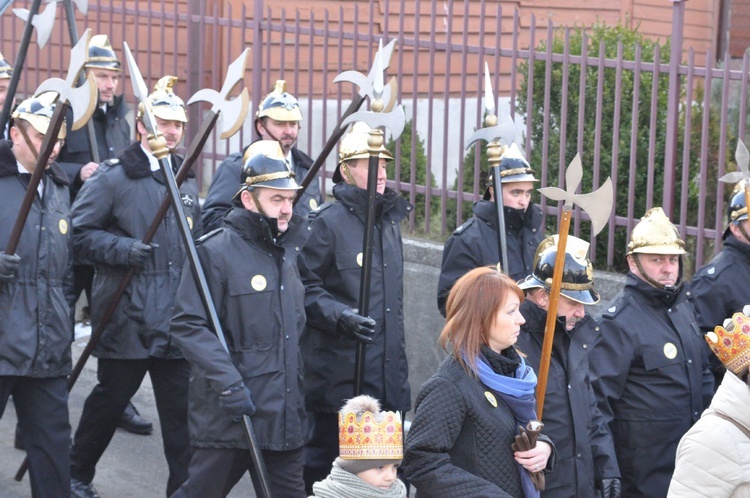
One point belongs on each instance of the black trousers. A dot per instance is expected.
(118, 382)
(323, 447)
(215, 471)
(42, 410)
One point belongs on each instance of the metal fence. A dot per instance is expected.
(661, 126)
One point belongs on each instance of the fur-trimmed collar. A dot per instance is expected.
(9, 167)
(135, 164)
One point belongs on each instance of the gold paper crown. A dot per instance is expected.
(731, 342)
(367, 439)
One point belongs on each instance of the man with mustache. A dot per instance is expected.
(586, 464)
(649, 364)
(474, 243)
(251, 271)
(111, 216)
(278, 118)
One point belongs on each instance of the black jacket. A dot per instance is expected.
(649, 371)
(226, 182)
(474, 244)
(112, 138)
(459, 443)
(330, 268)
(585, 452)
(259, 297)
(114, 209)
(36, 309)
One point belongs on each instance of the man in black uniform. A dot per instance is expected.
(278, 118)
(474, 243)
(6, 71)
(36, 299)
(111, 216)
(330, 265)
(649, 366)
(585, 451)
(719, 289)
(251, 270)
(112, 137)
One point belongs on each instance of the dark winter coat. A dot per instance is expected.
(474, 244)
(259, 297)
(228, 178)
(330, 265)
(459, 443)
(585, 452)
(112, 211)
(649, 371)
(112, 138)
(36, 318)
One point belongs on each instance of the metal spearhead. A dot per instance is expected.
(141, 92)
(366, 84)
(83, 6)
(503, 130)
(597, 204)
(4, 4)
(43, 22)
(743, 158)
(82, 99)
(232, 112)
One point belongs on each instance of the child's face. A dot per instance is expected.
(381, 477)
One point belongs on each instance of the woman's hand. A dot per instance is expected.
(536, 458)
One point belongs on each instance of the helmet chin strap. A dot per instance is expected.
(743, 231)
(347, 174)
(254, 195)
(273, 137)
(648, 279)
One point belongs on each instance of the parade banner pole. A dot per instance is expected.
(598, 205)
(395, 121)
(365, 89)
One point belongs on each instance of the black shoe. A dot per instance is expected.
(80, 489)
(131, 421)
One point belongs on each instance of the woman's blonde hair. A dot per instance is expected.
(471, 309)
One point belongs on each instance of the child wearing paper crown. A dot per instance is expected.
(371, 446)
(713, 457)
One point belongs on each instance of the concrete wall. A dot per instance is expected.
(424, 322)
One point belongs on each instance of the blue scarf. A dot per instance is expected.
(518, 393)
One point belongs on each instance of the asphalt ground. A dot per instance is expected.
(133, 465)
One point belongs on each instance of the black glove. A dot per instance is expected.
(611, 488)
(8, 266)
(356, 326)
(237, 400)
(139, 253)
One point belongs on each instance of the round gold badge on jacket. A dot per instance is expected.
(359, 259)
(313, 204)
(491, 398)
(63, 225)
(258, 282)
(670, 351)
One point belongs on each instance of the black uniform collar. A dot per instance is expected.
(8, 165)
(739, 246)
(515, 220)
(389, 206)
(255, 227)
(666, 296)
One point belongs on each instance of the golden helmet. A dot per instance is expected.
(164, 103)
(354, 146)
(265, 166)
(655, 234)
(37, 111)
(279, 105)
(6, 70)
(102, 55)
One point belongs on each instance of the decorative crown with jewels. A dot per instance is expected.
(731, 342)
(371, 436)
